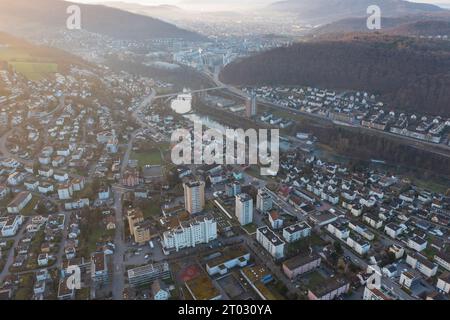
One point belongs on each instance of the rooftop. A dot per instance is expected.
(300, 226)
(271, 236)
(202, 288)
(300, 260)
(227, 255)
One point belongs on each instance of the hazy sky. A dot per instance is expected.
(194, 4)
(219, 5)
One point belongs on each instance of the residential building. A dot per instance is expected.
(64, 293)
(397, 251)
(190, 233)
(443, 282)
(358, 244)
(389, 271)
(417, 243)
(301, 264)
(16, 178)
(393, 230)
(251, 106)
(43, 259)
(19, 202)
(409, 279)
(65, 191)
(11, 226)
(142, 232)
(244, 209)
(376, 294)
(373, 220)
(443, 259)
(339, 230)
(296, 232)
(275, 220)
(99, 268)
(134, 216)
(328, 290)
(104, 193)
(263, 201)
(233, 189)
(4, 191)
(271, 242)
(146, 274)
(194, 196)
(362, 230)
(159, 290)
(422, 264)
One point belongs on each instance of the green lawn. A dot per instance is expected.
(13, 54)
(431, 185)
(430, 252)
(249, 228)
(99, 234)
(87, 192)
(315, 280)
(151, 208)
(29, 208)
(4, 202)
(34, 70)
(152, 158)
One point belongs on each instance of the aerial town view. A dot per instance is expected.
(195, 150)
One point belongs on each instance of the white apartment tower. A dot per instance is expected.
(263, 201)
(244, 209)
(194, 196)
(191, 233)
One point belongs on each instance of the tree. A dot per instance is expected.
(95, 185)
(36, 167)
(41, 209)
(338, 248)
(390, 257)
(341, 264)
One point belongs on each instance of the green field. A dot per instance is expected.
(33, 68)
(10, 54)
(250, 228)
(152, 158)
(29, 208)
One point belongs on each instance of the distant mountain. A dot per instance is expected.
(423, 28)
(173, 14)
(137, 7)
(409, 74)
(412, 25)
(167, 13)
(326, 11)
(22, 16)
(358, 25)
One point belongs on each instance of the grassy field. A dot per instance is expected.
(147, 158)
(29, 208)
(431, 185)
(34, 70)
(31, 67)
(250, 228)
(9, 54)
(151, 208)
